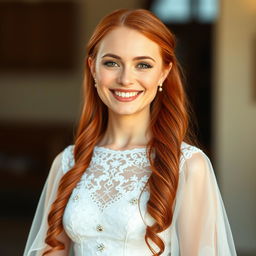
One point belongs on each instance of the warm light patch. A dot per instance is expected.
(250, 5)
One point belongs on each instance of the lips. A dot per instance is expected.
(123, 90)
(125, 95)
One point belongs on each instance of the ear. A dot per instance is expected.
(91, 64)
(166, 71)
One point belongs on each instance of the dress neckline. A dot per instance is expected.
(131, 150)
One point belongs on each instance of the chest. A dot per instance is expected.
(109, 202)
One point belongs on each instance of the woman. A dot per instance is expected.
(132, 184)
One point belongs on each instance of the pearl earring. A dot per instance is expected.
(160, 88)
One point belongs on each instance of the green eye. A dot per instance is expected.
(110, 64)
(144, 66)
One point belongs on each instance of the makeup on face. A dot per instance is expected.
(128, 69)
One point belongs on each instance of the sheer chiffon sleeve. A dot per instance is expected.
(200, 221)
(35, 245)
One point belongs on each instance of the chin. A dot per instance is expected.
(123, 112)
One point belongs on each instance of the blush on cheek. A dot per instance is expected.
(151, 85)
(107, 79)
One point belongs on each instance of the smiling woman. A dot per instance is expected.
(128, 62)
(132, 183)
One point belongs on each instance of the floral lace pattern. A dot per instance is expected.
(114, 173)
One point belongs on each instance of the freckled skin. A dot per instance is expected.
(126, 72)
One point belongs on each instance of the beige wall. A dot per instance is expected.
(34, 97)
(235, 118)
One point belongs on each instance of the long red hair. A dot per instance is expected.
(169, 126)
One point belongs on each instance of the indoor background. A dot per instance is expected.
(42, 48)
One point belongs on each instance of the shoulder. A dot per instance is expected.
(67, 158)
(188, 150)
(192, 158)
(60, 165)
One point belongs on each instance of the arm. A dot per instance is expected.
(201, 223)
(35, 244)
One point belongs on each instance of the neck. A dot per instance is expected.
(126, 131)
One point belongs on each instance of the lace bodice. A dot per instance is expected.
(112, 184)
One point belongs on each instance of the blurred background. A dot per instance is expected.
(42, 48)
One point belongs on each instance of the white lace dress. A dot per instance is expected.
(105, 216)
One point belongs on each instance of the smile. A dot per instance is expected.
(125, 96)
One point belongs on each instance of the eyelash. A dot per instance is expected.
(145, 65)
(106, 63)
(113, 64)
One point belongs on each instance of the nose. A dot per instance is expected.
(125, 76)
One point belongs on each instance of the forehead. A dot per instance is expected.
(126, 42)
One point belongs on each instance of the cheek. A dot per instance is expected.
(150, 81)
(105, 77)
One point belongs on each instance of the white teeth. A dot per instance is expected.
(126, 94)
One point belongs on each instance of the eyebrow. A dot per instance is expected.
(119, 58)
